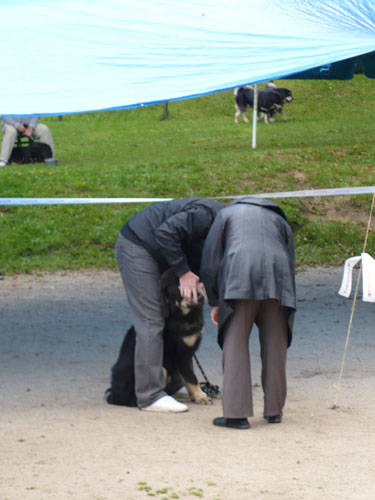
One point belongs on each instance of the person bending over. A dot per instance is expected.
(168, 234)
(248, 271)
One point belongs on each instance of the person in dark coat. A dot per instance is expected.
(248, 271)
(168, 234)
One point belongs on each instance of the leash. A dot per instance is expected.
(211, 390)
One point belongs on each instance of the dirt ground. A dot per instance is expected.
(60, 334)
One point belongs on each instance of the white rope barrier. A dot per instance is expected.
(75, 201)
(91, 201)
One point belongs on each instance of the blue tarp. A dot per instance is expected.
(341, 70)
(63, 56)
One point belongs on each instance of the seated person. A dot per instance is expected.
(27, 126)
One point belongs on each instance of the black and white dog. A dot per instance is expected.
(244, 99)
(182, 336)
(270, 101)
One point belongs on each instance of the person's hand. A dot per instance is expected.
(188, 286)
(215, 316)
(28, 131)
(21, 129)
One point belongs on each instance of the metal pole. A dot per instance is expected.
(255, 116)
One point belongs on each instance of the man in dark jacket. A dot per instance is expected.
(248, 272)
(168, 234)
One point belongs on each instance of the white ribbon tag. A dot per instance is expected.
(368, 277)
(346, 284)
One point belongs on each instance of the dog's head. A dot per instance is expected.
(289, 98)
(170, 297)
(286, 94)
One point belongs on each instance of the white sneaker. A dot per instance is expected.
(3, 163)
(166, 404)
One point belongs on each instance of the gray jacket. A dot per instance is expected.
(32, 121)
(249, 254)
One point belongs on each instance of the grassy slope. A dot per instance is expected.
(328, 141)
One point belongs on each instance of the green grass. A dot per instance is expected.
(327, 142)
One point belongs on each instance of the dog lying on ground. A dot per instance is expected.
(182, 336)
(270, 101)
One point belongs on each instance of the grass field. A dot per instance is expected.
(327, 142)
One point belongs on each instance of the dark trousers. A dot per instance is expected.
(237, 386)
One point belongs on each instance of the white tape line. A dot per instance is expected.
(310, 193)
(76, 201)
(284, 194)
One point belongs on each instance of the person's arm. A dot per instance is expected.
(11, 120)
(30, 123)
(212, 255)
(19, 122)
(170, 237)
(174, 234)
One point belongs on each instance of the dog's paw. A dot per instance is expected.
(202, 399)
(197, 395)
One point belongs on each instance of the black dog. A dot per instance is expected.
(270, 100)
(30, 151)
(182, 336)
(244, 98)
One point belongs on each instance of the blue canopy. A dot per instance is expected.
(70, 56)
(341, 70)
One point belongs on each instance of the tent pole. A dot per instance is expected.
(255, 116)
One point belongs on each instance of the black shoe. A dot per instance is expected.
(233, 423)
(275, 419)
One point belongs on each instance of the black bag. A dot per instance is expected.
(30, 152)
